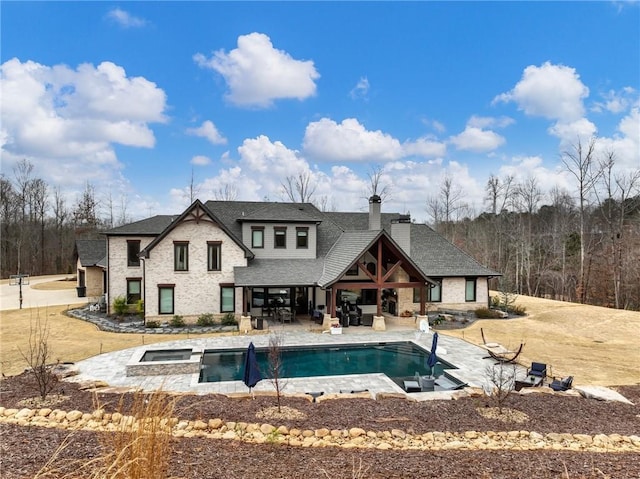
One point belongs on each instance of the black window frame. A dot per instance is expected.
(133, 250)
(176, 246)
(233, 289)
(133, 298)
(279, 232)
(475, 288)
(254, 230)
(305, 236)
(162, 287)
(211, 247)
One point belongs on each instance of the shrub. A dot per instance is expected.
(177, 321)
(120, 305)
(518, 310)
(152, 324)
(229, 319)
(205, 320)
(140, 308)
(486, 313)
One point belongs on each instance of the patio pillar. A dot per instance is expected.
(378, 323)
(245, 324)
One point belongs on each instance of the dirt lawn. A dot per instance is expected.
(598, 346)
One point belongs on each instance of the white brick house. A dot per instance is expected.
(240, 257)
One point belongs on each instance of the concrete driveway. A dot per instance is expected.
(36, 298)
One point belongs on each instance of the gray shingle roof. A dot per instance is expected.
(272, 272)
(438, 257)
(148, 227)
(92, 252)
(289, 212)
(345, 251)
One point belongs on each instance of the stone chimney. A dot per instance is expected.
(374, 212)
(401, 232)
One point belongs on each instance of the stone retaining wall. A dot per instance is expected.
(355, 437)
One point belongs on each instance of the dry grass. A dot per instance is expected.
(69, 283)
(140, 447)
(596, 345)
(70, 339)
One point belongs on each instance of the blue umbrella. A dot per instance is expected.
(433, 359)
(251, 370)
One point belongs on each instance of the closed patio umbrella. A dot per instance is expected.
(252, 374)
(433, 359)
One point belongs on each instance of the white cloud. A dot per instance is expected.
(489, 121)
(617, 101)
(349, 141)
(209, 131)
(477, 140)
(125, 19)
(200, 160)
(551, 91)
(66, 121)
(327, 140)
(361, 89)
(257, 73)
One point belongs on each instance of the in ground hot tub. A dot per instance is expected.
(164, 362)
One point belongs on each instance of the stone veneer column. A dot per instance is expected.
(419, 319)
(327, 321)
(245, 324)
(378, 323)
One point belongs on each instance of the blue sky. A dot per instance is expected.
(137, 98)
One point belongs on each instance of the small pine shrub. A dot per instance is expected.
(152, 324)
(177, 321)
(205, 320)
(120, 306)
(229, 319)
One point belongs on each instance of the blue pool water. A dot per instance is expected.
(396, 360)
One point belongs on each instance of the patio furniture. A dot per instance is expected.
(367, 319)
(412, 386)
(561, 384)
(538, 370)
(528, 382)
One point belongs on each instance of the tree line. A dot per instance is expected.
(581, 246)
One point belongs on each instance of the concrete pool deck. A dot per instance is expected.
(470, 360)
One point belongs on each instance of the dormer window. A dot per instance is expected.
(302, 237)
(280, 237)
(257, 237)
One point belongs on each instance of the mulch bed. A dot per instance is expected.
(24, 450)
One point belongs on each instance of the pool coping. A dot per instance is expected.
(470, 360)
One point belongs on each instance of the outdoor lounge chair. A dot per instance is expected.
(563, 384)
(538, 370)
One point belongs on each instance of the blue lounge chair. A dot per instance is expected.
(561, 384)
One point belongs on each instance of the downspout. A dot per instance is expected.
(144, 292)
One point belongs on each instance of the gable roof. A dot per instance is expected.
(195, 206)
(91, 252)
(148, 227)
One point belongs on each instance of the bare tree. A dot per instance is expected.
(376, 188)
(501, 382)
(325, 203)
(581, 163)
(445, 207)
(299, 188)
(227, 192)
(38, 356)
(194, 189)
(85, 211)
(276, 365)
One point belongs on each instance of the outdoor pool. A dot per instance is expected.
(398, 360)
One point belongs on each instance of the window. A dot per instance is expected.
(133, 249)
(280, 237)
(257, 237)
(434, 292)
(227, 299)
(258, 298)
(470, 289)
(181, 256)
(165, 299)
(302, 237)
(134, 288)
(214, 256)
(353, 270)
